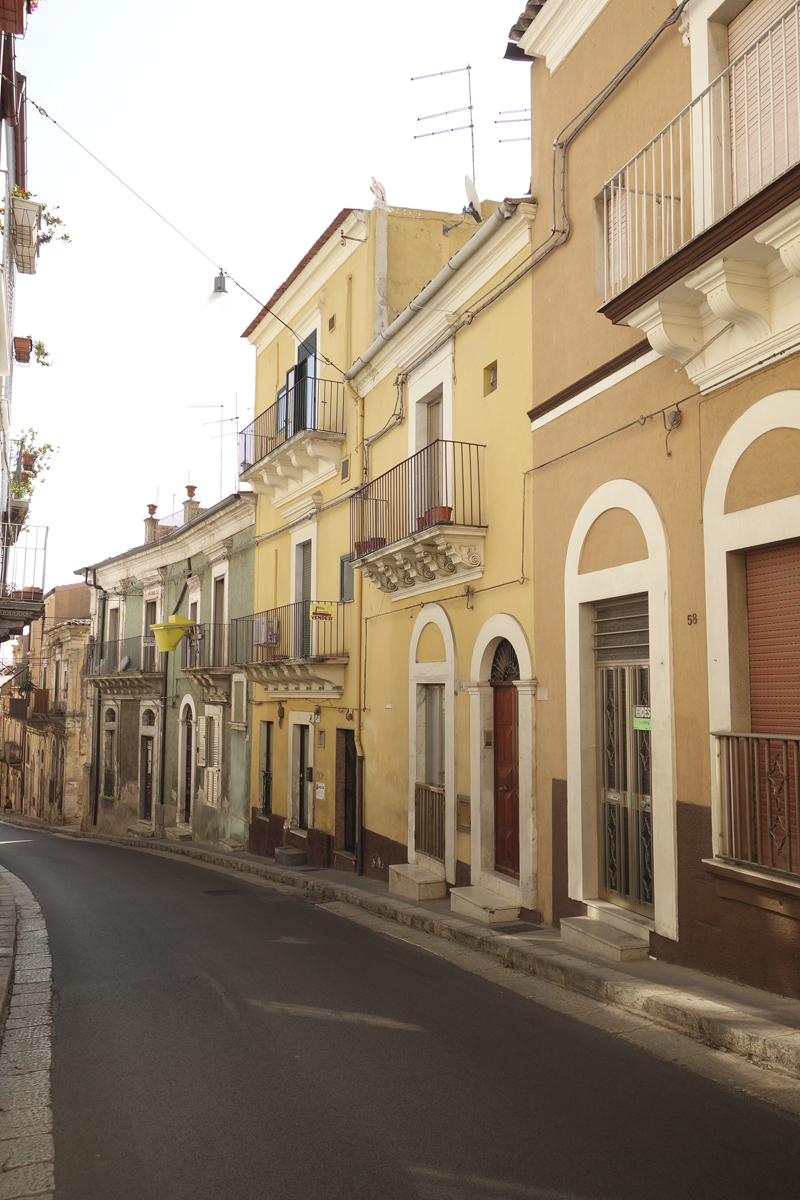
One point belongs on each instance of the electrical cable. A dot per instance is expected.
(215, 262)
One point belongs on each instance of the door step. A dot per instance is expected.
(290, 856)
(415, 882)
(232, 845)
(597, 937)
(142, 829)
(179, 833)
(621, 918)
(483, 905)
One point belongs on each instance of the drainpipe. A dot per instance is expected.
(97, 697)
(358, 596)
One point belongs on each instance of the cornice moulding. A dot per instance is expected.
(558, 28)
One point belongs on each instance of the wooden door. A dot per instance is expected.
(218, 628)
(187, 767)
(149, 646)
(147, 778)
(506, 779)
(349, 791)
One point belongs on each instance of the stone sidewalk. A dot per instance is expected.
(759, 1026)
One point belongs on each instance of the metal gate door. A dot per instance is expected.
(623, 702)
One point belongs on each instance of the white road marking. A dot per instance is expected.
(334, 1014)
(444, 1185)
(16, 841)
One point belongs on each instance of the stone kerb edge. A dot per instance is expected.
(8, 939)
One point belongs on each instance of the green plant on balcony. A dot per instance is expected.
(51, 221)
(26, 684)
(35, 462)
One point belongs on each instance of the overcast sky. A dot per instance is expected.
(249, 125)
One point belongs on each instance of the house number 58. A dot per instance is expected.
(691, 619)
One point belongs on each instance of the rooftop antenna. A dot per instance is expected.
(512, 119)
(221, 408)
(451, 111)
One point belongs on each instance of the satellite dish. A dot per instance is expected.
(473, 200)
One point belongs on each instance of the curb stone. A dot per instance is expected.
(764, 1043)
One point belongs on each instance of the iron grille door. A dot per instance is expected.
(624, 767)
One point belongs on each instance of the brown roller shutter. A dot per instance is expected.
(773, 616)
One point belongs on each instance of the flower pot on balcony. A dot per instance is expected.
(369, 545)
(439, 515)
(23, 348)
(28, 460)
(29, 593)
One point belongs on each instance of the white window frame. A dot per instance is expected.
(234, 724)
(212, 777)
(432, 379)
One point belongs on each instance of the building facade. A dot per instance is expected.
(168, 743)
(665, 479)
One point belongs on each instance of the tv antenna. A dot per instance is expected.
(448, 112)
(508, 117)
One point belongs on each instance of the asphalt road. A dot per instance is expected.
(218, 1040)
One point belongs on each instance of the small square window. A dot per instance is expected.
(490, 379)
(346, 578)
(345, 469)
(331, 323)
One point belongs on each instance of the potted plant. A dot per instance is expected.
(368, 545)
(440, 514)
(34, 461)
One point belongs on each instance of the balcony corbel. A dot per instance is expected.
(783, 235)
(674, 330)
(737, 292)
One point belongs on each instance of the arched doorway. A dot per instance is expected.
(505, 740)
(188, 762)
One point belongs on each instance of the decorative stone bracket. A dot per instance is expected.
(215, 683)
(303, 462)
(299, 677)
(426, 560)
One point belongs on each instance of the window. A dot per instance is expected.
(434, 735)
(331, 323)
(265, 763)
(209, 752)
(193, 612)
(490, 379)
(239, 712)
(109, 753)
(148, 717)
(346, 578)
(345, 469)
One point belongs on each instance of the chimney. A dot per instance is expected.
(191, 507)
(151, 524)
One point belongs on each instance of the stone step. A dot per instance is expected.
(142, 829)
(597, 937)
(290, 856)
(620, 918)
(415, 882)
(232, 845)
(483, 905)
(179, 833)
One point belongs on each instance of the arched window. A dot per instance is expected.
(148, 717)
(505, 667)
(111, 716)
(187, 714)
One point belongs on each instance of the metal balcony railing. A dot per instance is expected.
(441, 485)
(759, 787)
(734, 139)
(126, 656)
(23, 557)
(308, 629)
(312, 404)
(429, 820)
(205, 646)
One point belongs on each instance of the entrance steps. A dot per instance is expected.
(290, 856)
(609, 932)
(142, 829)
(483, 905)
(415, 882)
(179, 833)
(232, 845)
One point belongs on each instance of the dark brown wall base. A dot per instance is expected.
(317, 845)
(344, 861)
(380, 853)
(724, 936)
(562, 905)
(463, 874)
(265, 833)
(530, 914)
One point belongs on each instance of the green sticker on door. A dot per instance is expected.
(641, 716)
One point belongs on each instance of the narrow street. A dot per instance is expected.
(221, 1040)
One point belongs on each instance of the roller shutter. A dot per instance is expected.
(773, 616)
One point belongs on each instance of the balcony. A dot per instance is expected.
(702, 226)
(127, 667)
(759, 787)
(422, 524)
(297, 443)
(297, 650)
(205, 658)
(23, 555)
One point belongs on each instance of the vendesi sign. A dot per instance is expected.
(641, 716)
(321, 611)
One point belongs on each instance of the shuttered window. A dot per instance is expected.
(622, 630)
(773, 618)
(764, 93)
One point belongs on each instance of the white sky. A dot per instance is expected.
(249, 125)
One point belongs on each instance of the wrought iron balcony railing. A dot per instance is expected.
(731, 141)
(441, 485)
(205, 646)
(23, 557)
(315, 405)
(759, 786)
(308, 629)
(127, 656)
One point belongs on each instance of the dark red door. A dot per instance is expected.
(506, 780)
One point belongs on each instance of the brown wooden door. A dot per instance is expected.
(506, 779)
(147, 779)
